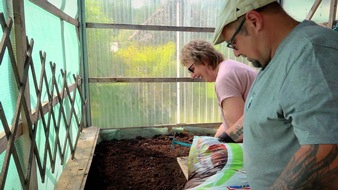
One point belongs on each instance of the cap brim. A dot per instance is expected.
(218, 38)
(227, 15)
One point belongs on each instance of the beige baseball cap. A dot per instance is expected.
(231, 10)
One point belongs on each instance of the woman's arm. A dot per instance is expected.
(235, 132)
(233, 109)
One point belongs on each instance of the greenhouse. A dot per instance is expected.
(79, 73)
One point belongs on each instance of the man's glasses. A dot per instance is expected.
(190, 69)
(229, 45)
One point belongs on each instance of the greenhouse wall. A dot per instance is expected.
(137, 53)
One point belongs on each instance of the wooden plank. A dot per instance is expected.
(128, 80)
(149, 27)
(75, 173)
(313, 9)
(47, 6)
(332, 15)
(21, 54)
(183, 162)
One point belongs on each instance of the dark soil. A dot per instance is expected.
(141, 163)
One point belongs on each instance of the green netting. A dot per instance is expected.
(8, 85)
(13, 180)
(57, 38)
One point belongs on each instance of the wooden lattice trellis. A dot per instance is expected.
(38, 117)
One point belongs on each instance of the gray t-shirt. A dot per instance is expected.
(293, 101)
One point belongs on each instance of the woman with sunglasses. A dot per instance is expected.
(232, 79)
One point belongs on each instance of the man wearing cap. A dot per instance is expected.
(291, 112)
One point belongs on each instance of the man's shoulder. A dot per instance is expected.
(310, 32)
(307, 38)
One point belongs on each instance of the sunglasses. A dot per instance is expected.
(190, 69)
(231, 41)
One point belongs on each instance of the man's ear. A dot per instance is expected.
(254, 19)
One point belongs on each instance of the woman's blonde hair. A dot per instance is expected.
(200, 52)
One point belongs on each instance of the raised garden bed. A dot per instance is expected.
(140, 163)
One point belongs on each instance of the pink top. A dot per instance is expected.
(234, 79)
